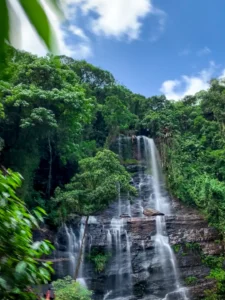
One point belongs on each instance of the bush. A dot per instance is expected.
(99, 259)
(69, 289)
(176, 248)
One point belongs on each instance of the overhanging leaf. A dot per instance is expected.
(56, 6)
(4, 26)
(39, 20)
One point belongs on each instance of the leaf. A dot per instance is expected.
(38, 215)
(4, 26)
(41, 210)
(39, 20)
(36, 245)
(3, 283)
(21, 267)
(56, 5)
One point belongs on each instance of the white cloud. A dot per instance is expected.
(204, 51)
(117, 18)
(188, 85)
(78, 32)
(157, 32)
(29, 40)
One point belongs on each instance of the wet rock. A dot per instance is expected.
(151, 212)
(198, 291)
(136, 238)
(132, 168)
(140, 277)
(123, 216)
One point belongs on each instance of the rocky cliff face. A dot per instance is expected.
(192, 240)
(133, 270)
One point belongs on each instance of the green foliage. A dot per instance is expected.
(19, 254)
(55, 111)
(190, 134)
(217, 272)
(176, 248)
(99, 259)
(45, 114)
(195, 247)
(4, 26)
(219, 276)
(191, 280)
(212, 295)
(186, 248)
(69, 289)
(96, 185)
(213, 261)
(116, 113)
(129, 161)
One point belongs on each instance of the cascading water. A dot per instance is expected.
(73, 239)
(163, 251)
(72, 248)
(118, 243)
(141, 262)
(140, 176)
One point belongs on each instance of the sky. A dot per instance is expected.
(171, 47)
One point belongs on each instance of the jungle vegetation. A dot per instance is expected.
(58, 119)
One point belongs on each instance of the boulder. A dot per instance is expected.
(151, 212)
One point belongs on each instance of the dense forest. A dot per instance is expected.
(58, 119)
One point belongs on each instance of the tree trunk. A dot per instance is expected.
(50, 169)
(81, 249)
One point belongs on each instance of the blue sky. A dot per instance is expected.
(153, 47)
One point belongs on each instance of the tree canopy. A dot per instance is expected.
(95, 186)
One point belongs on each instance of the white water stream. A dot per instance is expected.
(73, 248)
(162, 247)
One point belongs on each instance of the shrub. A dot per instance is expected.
(69, 289)
(99, 258)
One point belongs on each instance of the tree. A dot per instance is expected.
(117, 117)
(19, 254)
(94, 187)
(45, 105)
(94, 77)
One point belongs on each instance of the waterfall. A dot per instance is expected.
(140, 175)
(164, 252)
(129, 213)
(74, 242)
(72, 248)
(119, 201)
(141, 262)
(118, 245)
(118, 242)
